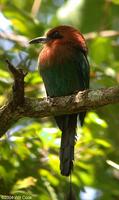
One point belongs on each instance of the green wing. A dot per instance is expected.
(84, 76)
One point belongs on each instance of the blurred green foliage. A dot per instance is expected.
(29, 153)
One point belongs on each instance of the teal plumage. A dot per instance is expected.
(65, 79)
(64, 68)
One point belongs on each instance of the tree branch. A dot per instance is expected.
(23, 41)
(19, 106)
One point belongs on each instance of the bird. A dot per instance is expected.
(64, 68)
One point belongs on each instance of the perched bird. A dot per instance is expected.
(64, 68)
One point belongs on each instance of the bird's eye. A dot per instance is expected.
(56, 35)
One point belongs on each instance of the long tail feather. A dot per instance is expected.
(67, 124)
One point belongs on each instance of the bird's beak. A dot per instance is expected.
(39, 40)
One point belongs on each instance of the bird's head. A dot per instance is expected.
(62, 35)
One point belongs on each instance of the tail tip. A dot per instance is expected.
(66, 170)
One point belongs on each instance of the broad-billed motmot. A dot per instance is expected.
(64, 68)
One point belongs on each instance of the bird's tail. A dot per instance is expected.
(67, 124)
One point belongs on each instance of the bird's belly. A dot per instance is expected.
(59, 81)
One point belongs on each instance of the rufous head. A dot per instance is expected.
(62, 35)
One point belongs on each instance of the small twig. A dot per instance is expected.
(105, 33)
(35, 7)
(18, 86)
(22, 40)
